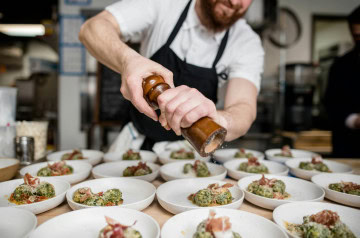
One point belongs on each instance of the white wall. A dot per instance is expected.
(304, 9)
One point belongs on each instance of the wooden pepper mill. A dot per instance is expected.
(205, 135)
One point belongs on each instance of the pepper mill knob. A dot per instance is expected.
(204, 135)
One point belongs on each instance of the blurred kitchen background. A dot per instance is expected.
(58, 81)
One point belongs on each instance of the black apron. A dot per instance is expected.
(203, 79)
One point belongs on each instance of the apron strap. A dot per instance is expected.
(178, 25)
(221, 48)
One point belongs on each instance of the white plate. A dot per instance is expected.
(270, 155)
(335, 167)
(16, 223)
(115, 169)
(294, 213)
(92, 156)
(137, 194)
(224, 155)
(247, 224)
(7, 188)
(173, 195)
(89, 222)
(164, 157)
(298, 189)
(174, 170)
(81, 171)
(324, 180)
(233, 165)
(147, 156)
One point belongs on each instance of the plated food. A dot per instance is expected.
(325, 223)
(213, 195)
(174, 195)
(16, 223)
(140, 169)
(117, 230)
(341, 188)
(33, 194)
(269, 188)
(317, 219)
(8, 168)
(70, 171)
(215, 227)
(325, 164)
(199, 168)
(56, 169)
(182, 154)
(316, 163)
(242, 153)
(185, 169)
(273, 190)
(135, 169)
(131, 155)
(286, 154)
(176, 155)
(346, 187)
(74, 155)
(269, 167)
(220, 222)
(253, 166)
(31, 191)
(90, 222)
(224, 155)
(124, 192)
(91, 156)
(111, 197)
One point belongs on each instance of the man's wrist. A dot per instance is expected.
(125, 56)
(222, 121)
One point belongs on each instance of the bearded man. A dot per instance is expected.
(195, 45)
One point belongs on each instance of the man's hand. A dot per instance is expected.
(134, 69)
(182, 106)
(101, 36)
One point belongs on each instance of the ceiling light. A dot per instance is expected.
(26, 30)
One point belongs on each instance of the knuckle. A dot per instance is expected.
(169, 109)
(183, 87)
(161, 99)
(188, 119)
(169, 74)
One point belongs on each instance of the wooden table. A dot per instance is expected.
(161, 215)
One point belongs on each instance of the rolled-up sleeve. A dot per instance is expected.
(134, 17)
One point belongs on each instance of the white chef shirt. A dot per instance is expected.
(150, 22)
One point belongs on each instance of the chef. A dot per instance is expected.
(342, 96)
(196, 46)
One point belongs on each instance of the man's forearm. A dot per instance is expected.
(237, 119)
(239, 109)
(101, 37)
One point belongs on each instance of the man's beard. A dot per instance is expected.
(218, 23)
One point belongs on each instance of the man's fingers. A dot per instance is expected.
(192, 116)
(139, 102)
(163, 121)
(179, 114)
